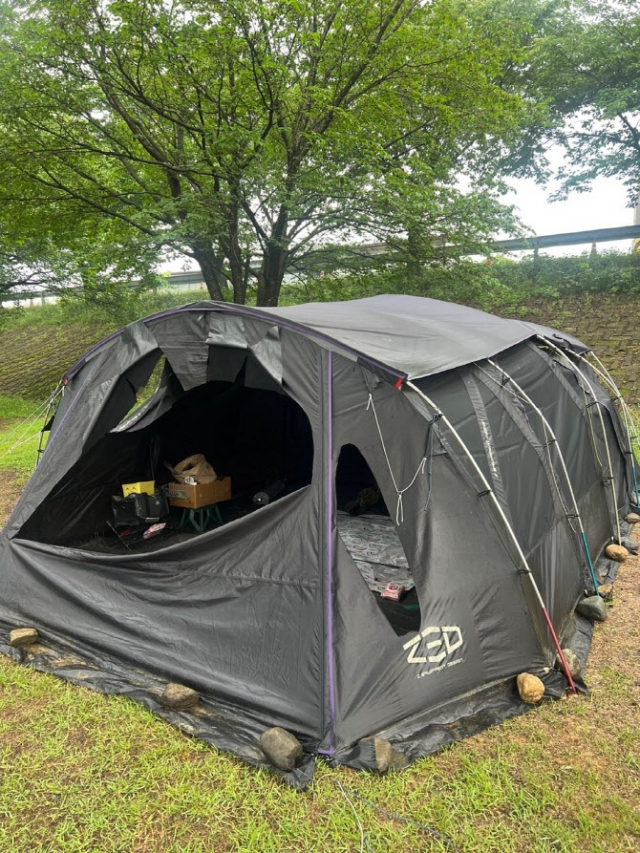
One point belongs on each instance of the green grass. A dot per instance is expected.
(634, 411)
(73, 310)
(82, 772)
(21, 424)
(14, 407)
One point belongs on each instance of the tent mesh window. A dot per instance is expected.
(370, 536)
(145, 393)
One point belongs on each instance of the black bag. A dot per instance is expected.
(135, 510)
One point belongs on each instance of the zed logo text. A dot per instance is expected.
(434, 647)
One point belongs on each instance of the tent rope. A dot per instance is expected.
(24, 440)
(25, 424)
(363, 838)
(419, 470)
(20, 434)
(59, 392)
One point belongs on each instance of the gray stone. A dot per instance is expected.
(632, 518)
(605, 590)
(630, 544)
(385, 755)
(23, 637)
(281, 748)
(530, 688)
(593, 608)
(573, 663)
(178, 697)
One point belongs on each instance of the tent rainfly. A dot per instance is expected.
(478, 462)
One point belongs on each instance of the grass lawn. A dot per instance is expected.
(20, 425)
(86, 773)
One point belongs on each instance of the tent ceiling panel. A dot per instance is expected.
(413, 335)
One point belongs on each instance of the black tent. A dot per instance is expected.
(479, 462)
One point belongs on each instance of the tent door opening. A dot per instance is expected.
(254, 434)
(369, 534)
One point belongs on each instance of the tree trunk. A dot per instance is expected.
(211, 265)
(231, 247)
(414, 253)
(274, 263)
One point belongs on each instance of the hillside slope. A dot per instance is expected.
(34, 357)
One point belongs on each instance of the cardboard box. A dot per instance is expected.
(144, 487)
(198, 495)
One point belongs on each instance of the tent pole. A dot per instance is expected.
(627, 417)
(525, 565)
(549, 432)
(586, 382)
(608, 378)
(329, 555)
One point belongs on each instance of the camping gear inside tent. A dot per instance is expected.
(417, 496)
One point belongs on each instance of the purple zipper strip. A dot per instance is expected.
(329, 577)
(254, 313)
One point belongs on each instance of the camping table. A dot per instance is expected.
(201, 517)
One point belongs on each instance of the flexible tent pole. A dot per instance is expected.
(525, 565)
(627, 417)
(549, 432)
(605, 373)
(604, 432)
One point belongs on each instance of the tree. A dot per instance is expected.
(587, 68)
(245, 135)
(70, 252)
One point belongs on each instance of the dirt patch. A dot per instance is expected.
(618, 639)
(10, 491)
(616, 643)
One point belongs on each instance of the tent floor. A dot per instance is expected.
(113, 545)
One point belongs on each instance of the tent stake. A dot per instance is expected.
(505, 521)
(549, 431)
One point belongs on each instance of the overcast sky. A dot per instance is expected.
(604, 207)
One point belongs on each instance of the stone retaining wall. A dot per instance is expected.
(608, 324)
